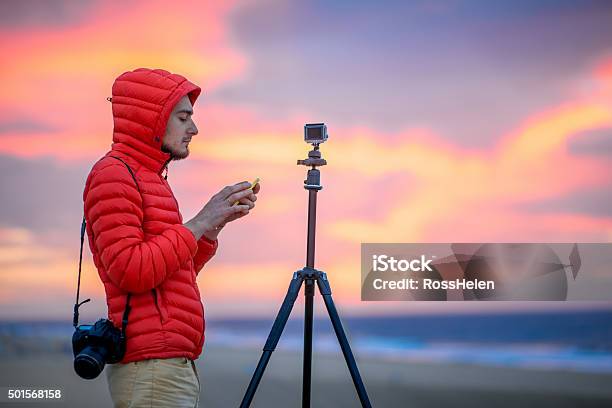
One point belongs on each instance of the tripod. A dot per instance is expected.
(309, 276)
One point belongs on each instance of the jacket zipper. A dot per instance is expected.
(203, 323)
(165, 166)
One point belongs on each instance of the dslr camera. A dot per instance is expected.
(96, 345)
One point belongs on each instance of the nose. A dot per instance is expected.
(194, 129)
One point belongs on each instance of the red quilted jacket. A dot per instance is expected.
(135, 232)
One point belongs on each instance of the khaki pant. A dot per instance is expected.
(170, 382)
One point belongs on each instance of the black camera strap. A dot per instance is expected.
(126, 312)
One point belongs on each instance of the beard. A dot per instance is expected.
(175, 154)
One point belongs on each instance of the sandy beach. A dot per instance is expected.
(225, 374)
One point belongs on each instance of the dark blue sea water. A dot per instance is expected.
(575, 341)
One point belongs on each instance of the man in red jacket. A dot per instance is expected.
(141, 246)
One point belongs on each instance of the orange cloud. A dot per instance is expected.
(119, 37)
(529, 164)
(61, 76)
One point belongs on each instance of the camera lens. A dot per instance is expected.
(89, 363)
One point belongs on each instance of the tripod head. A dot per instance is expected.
(313, 177)
(314, 159)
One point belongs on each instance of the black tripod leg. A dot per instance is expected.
(273, 337)
(325, 290)
(307, 368)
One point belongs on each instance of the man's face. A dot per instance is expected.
(180, 130)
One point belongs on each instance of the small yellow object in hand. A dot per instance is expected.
(253, 184)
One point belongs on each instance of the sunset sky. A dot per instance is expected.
(449, 121)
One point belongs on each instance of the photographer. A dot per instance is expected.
(141, 246)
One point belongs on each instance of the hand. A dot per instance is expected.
(219, 210)
(249, 200)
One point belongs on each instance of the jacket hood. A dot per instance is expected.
(142, 102)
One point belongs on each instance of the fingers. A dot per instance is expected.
(235, 212)
(236, 209)
(240, 195)
(229, 190)
(248, 201)
(256, 188)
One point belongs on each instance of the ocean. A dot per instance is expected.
(569, 341)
